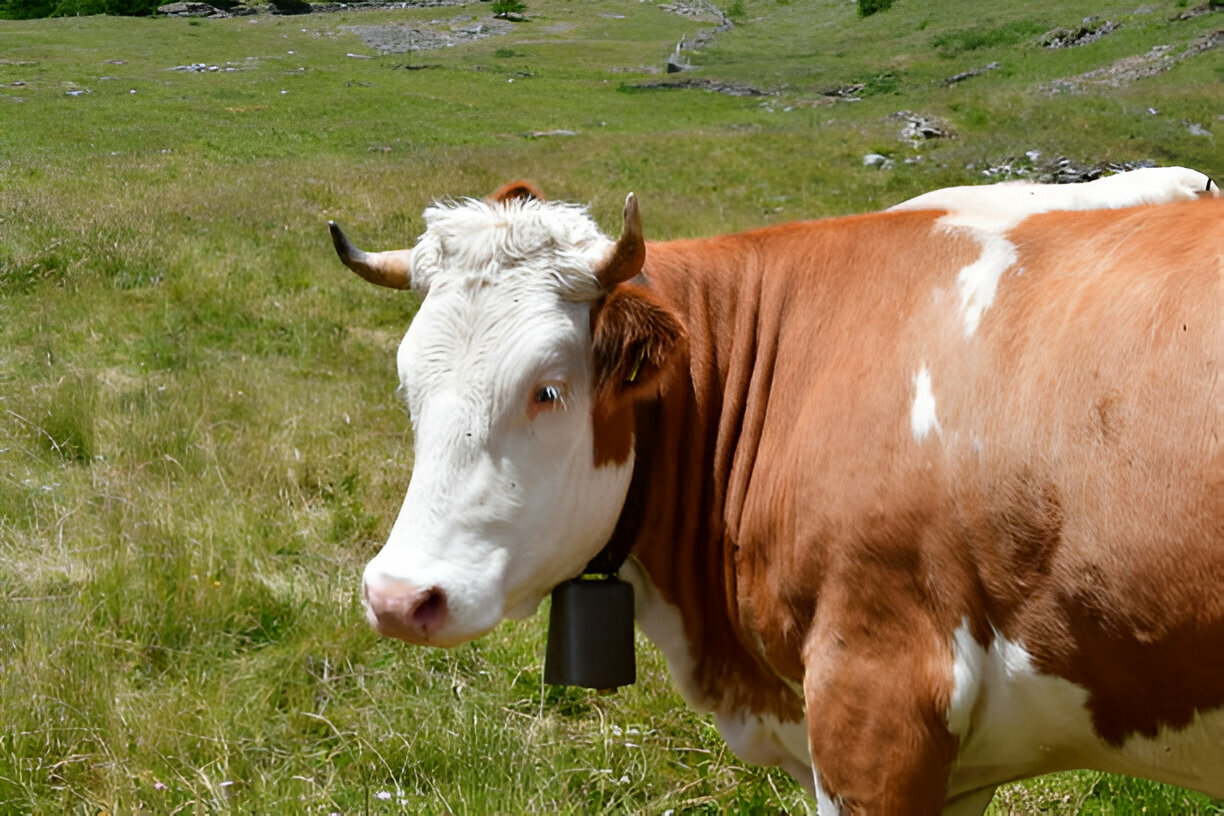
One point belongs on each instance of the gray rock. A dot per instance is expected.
(878, 161)
(920, 127)
(961, 77)
(677, 64)
(400, 38)
(714, 85)
(191, 9)
(1090, 31)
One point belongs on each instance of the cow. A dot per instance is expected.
(919, 502)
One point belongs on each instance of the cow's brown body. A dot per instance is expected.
(1069, 496)
(919, 502)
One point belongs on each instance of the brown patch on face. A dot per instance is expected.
(635, 341)
(613, 424)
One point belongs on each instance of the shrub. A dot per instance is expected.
(866, 8)
(291, 6)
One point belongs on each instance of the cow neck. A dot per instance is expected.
(687, 446)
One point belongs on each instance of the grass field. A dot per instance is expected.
(200, 444)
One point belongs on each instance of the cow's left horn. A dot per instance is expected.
(629, 254)
(392, 269)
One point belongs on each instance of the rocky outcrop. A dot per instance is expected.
(919, 127)
(1090, 31)
(1128, 69)
(401, 38)
(678, 60)
(194, 9)
(963, 75)
(728, 88)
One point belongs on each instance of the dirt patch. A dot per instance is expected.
(401, 38)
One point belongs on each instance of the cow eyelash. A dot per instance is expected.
(549, 396)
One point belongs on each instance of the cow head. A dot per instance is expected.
(521, 370)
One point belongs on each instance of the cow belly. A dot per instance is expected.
(1015, 722)
(764, 740)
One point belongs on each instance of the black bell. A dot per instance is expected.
(590, 634)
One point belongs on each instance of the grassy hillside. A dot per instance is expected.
(200, 444)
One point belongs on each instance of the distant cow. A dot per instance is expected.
(923, 501)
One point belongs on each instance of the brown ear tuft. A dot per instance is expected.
(637, 344)
(635, 341)
(516, 190)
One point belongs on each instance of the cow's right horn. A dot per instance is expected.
(392, 269)
(629, 253)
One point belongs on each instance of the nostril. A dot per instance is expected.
(430, 611)
(401, 610)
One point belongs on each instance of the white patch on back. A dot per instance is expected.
(1013, 722)
(987, 213)
(923, 419)
(979, 281)
(1013, 201)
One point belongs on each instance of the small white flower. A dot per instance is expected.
(383, 796)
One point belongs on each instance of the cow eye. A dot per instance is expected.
(546, 397)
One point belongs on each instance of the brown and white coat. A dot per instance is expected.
(924, 501)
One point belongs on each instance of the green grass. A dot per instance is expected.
(200, 444)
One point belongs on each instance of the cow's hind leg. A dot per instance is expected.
(879, 739)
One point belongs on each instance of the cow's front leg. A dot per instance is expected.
(876, 722)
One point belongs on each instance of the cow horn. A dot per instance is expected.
(629, 254)
(392, 269)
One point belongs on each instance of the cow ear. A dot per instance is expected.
(636, 344)
(519, 189)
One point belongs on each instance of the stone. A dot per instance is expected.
(920, 127)
(961, 77)
(677, 64)
(189, 8)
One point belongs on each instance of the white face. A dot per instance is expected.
(505, 500)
